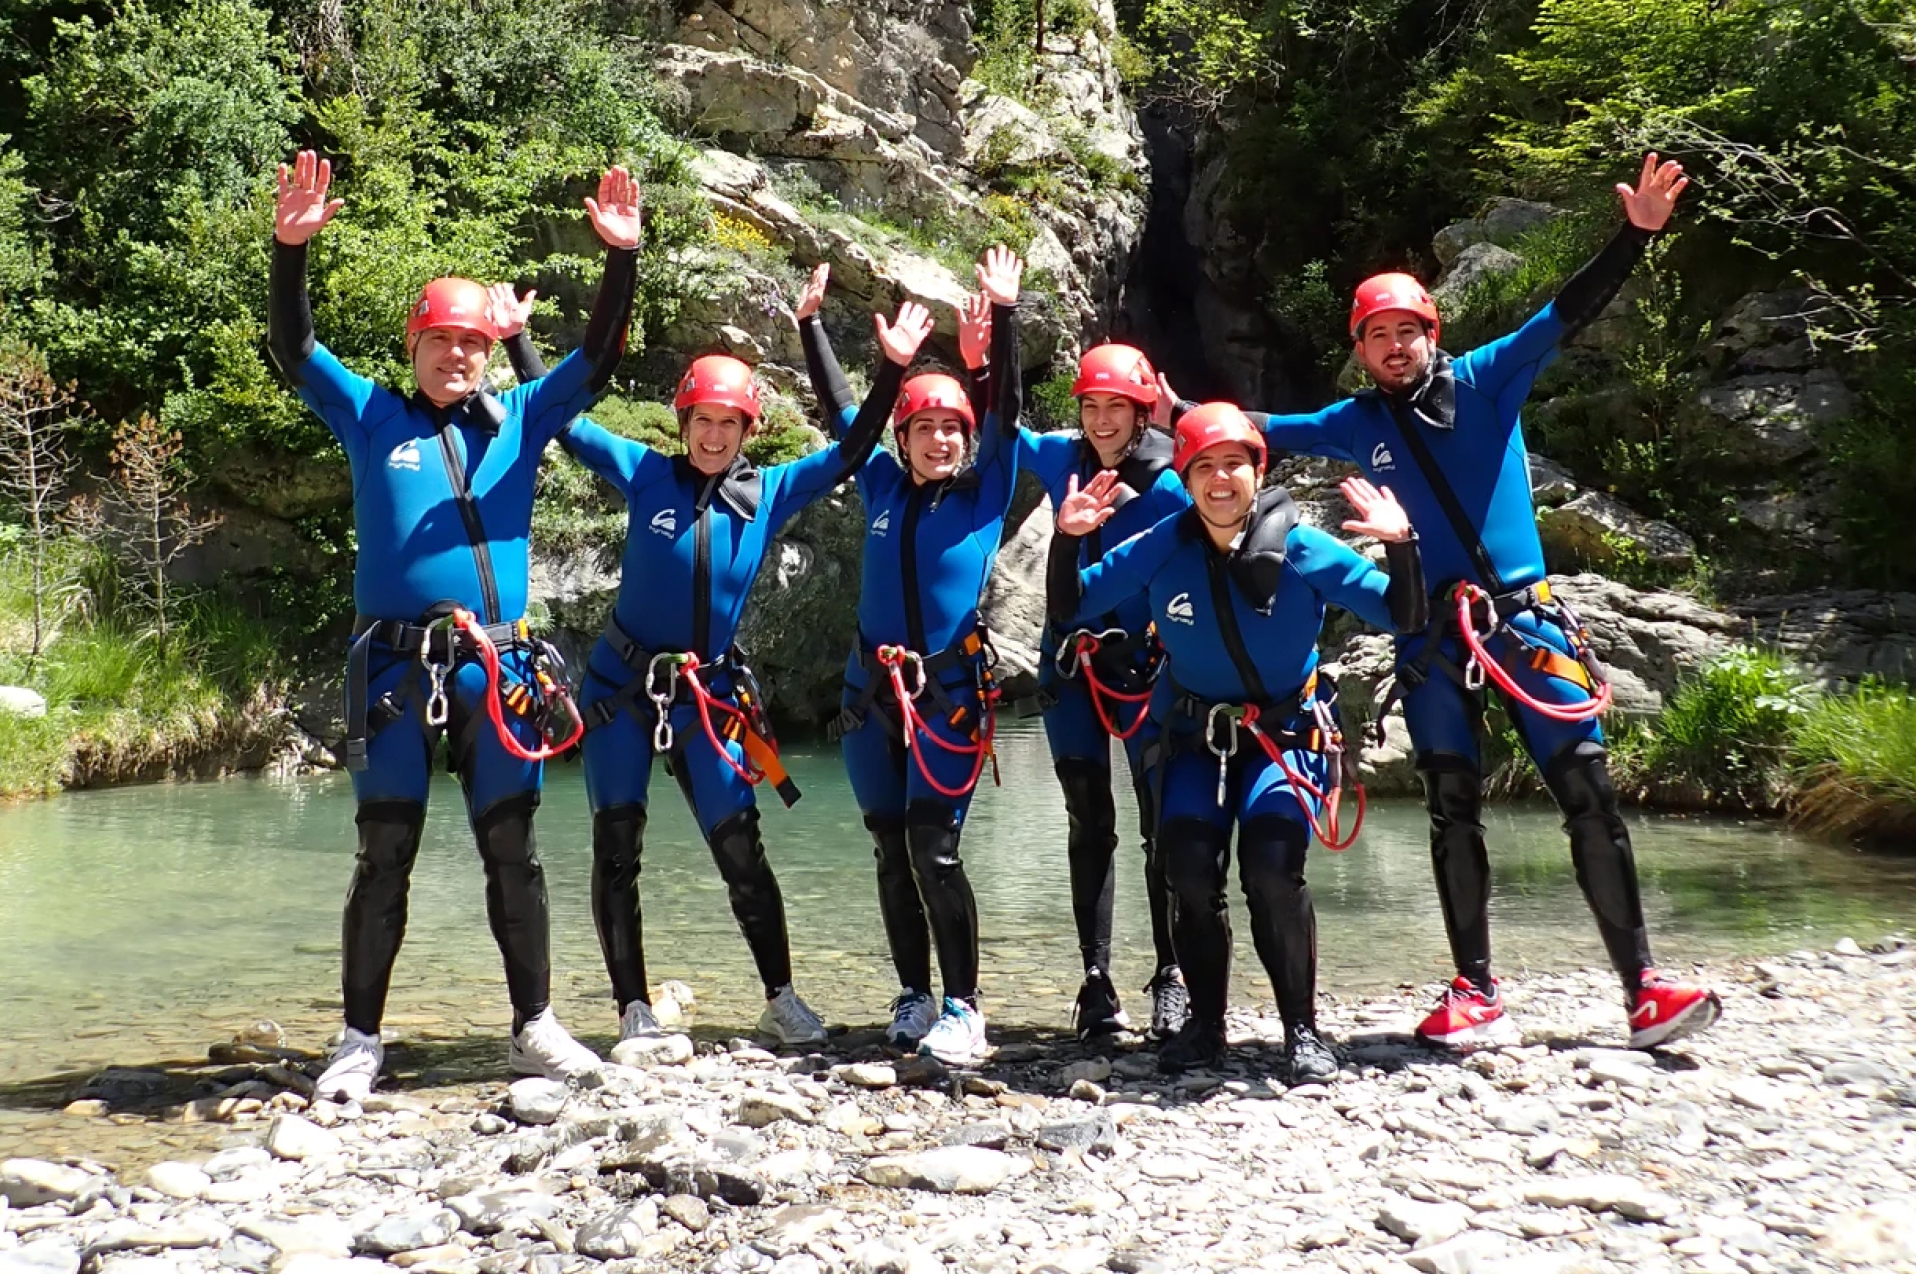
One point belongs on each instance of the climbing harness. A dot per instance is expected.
(911, 677)
(895, 660)
(1583, 670)
(1076, 655)
(547, 700)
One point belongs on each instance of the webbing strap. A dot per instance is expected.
(1460, 523)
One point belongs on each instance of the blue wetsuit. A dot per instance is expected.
(1240, 629)
(1080, 744)
(928, 554)
(693, 547)
(1452, 450)
(442, 504)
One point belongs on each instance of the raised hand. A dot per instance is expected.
(813, 297)
(1166, 403)
(303, 209)
(508, 310)
(974, 330)
(1000, 274)
(615, 213)
(1083, 511)
(904, 334)
(1378, 513)
(1654, 198)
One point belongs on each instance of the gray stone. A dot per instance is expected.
(618, 1233)
(1550, 483)
(42, 1256)
(292, 1137)
(536, 1101)
(1467, 1253)
(1760, 1094)
(178, 1180)
(1856, 1073)
(759, 1109)
(1879, 1235)
(201, 1229)
(947, 1170)
(1524, 1118)
(1594, 529)
(795, 1226)
(991, 1135)
(19, 701)
(661, 1050)
(1503, 221)
(1605, 1192)
(1779, 412)
(410, 1231)
(491, 1211)
(297, 1236)
(689, 1211)
(1422, 1223)
(1096, 1070)
(26, 1182)
(1476, 264)
(1094, 1133)
(873, 1075)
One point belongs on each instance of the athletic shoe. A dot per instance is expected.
(1311, 1059)
(957, 1038)
(913, 1014)
(1097, 1011)
(638, 1023)
(1170, 1003)
(1198, 1045)
(542, 1047)
(1666, 1010)
(1466, 1016)
(354, 1070)
(789, 1020)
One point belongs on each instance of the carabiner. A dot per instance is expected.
(662, 733)
(903, 659)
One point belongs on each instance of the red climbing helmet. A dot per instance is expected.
(1213, 425)
(934, 391)
(1117, 369)
(452, 302)
(718, 380)
(1383, 292)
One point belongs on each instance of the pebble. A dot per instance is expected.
(429, 1228)
(233, 1162)
(689, 1211)
(947, 1170)
(294, 1137)
(619, 1233)
(794, 1227)
(1470, 1252)
(1760, 1094)
(660, 1050)
(1095, 1070)
(759, 1109)
(869, 1075)
(1602, 1193)
(1422, 1223)
(536, 1101)
(26, 1182)
(178, 1180)
(43, 1256)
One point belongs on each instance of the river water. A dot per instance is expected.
(140, 925)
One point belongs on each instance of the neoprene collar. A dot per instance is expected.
(479, 409)
(1433, 400)
(740, 487)
(1256, 560)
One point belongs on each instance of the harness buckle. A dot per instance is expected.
(1080, 645)
(672, 661)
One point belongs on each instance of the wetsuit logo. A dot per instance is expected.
(882, 523)
(1380, 458)
(404, 456)
(1180, 609)
(665, 522)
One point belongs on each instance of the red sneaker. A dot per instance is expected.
(1466, 1016)
(1666, 1010)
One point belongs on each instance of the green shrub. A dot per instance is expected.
(1051, 404)
(1855, 757)
(1729, 725)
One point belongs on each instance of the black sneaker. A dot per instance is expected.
(1170, 1003)
(1097, 1011)
(1198, 1045)
(1311, 1059)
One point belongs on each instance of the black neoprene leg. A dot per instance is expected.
(1156, 892)
(898, 903)
(1600, 850)
(1270, 868)
(757, 904)
(1092, 852)
(931, 832)
(516, 902)
(618, 843)
(1196, 858)
(1454, 794)
(375, 920)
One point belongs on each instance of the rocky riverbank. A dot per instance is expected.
(1783, 1140)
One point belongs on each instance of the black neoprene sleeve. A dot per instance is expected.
(828, 378)
(1063, 586)
(1594, 286)
(1405, 595)
(289, 315)
(1007, 385)
(525, 360)
(604, 342)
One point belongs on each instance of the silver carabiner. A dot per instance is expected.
(662, 733)
(1232, 713)
(438, 708)
(916, 663)
(1474, 674)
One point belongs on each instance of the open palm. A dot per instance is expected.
(302, 208)
(1650, 203)
(904, 334)
(615, 213)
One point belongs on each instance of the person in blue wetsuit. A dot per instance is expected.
(442, 503)
(1249, 739)
(698, 528)
(1083, 660)
(934, 514)
(1446, 433)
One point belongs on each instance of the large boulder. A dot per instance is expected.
(1502, 223)
(1839, 636)
(1014, 603)
(1478, 263)
(1646, 637)
(1594, 529)
(1764, 332)
(1778, 413)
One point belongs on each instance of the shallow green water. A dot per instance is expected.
(143, 924)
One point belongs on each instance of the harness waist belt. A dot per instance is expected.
(435, 643)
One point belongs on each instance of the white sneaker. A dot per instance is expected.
(542, 1047)
(957, 1038)
(912, 1015)
(638, 1023)
(354, 1068)
(789, 1020)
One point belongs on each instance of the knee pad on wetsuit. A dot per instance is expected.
(618, 838)
(738, 848)
(1579, 779)
(1194, 853)
(1271, 851)
(389, 834)
(888, 842)
(1453, 790)
(931, 830)
(504, 832)
(1087, 795)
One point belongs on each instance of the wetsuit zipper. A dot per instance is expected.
(908, 572)
(475, 529)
